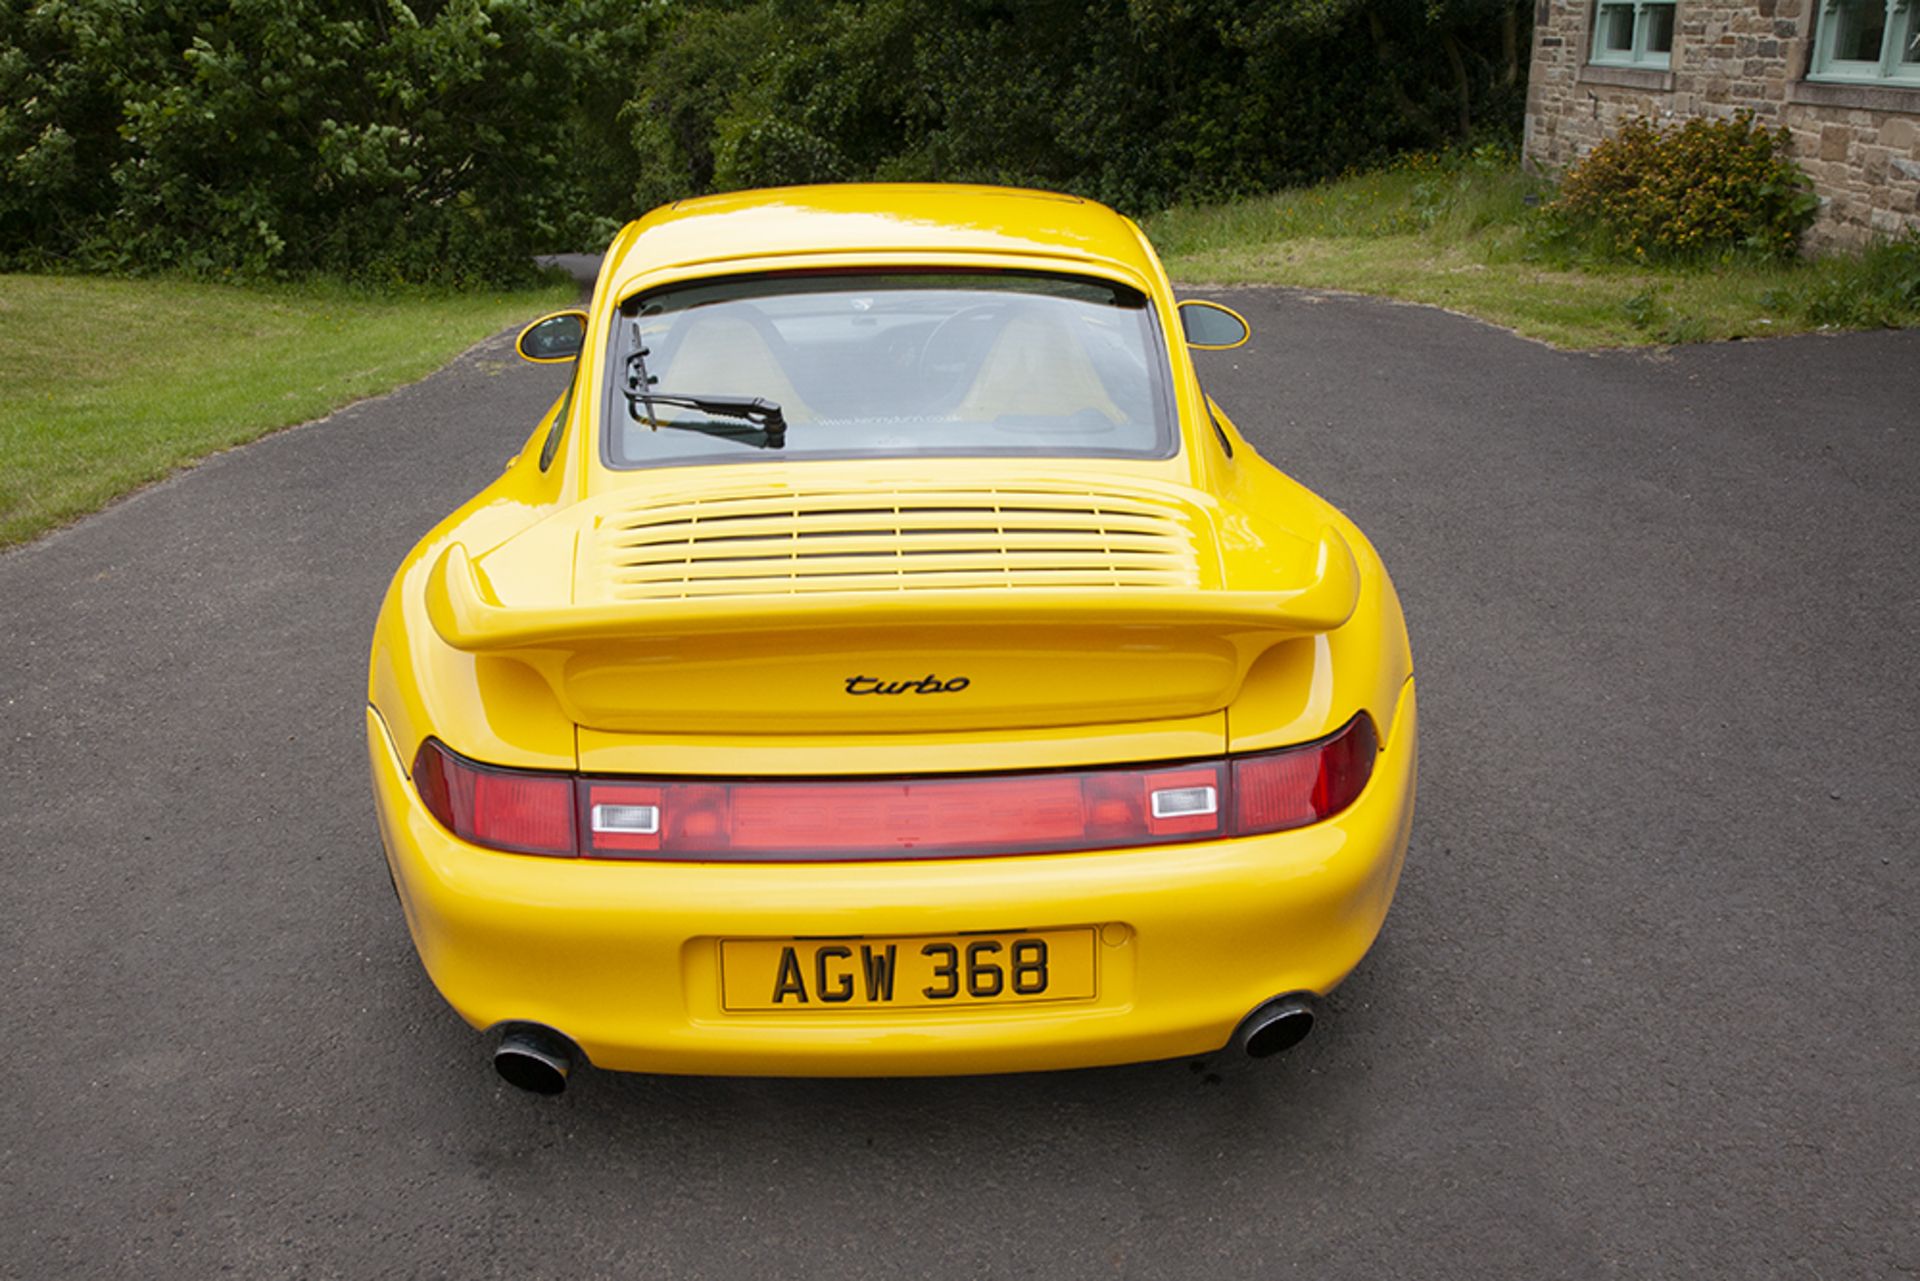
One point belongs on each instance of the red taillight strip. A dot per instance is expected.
(1277, 791)
(524, 811)
(865, 819)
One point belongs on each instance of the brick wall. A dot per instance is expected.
(1859, 143)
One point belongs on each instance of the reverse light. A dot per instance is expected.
(1184, 802)
(752, 820)
(621, 818)
(637, 820)
(1177, 802)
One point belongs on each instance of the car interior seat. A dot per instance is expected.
(722, 353)
(1036, 368)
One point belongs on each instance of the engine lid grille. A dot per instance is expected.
(892, 540)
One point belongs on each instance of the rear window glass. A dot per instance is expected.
(888, 365)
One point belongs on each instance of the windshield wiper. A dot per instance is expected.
(765, 415)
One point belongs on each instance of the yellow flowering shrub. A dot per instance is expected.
(1704, 188)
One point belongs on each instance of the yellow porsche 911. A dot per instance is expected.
(884, 659)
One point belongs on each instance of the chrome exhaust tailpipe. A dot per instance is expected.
(1274, 1027)
(534, 1058)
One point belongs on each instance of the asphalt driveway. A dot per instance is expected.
(1645, 1006)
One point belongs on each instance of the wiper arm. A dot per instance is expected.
(764, 414)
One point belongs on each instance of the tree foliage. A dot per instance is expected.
(282, 137)
(1139, 103)
(451, 139)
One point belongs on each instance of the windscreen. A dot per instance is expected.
(885, 365)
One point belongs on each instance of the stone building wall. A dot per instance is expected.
(1859, 143)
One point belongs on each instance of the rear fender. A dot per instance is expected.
(1310, 686)
(498, 710)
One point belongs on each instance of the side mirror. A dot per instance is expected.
(1211, 327)
(553, 340)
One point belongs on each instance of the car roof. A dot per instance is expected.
(883, 219)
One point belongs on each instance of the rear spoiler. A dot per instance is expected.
(469, 616)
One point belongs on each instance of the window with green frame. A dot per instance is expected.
(1867, 40)
(1633, 33)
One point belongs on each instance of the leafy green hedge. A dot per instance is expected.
(448, 140)
(1139, 103)
(279, 137)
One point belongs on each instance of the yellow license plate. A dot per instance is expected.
(902, 973)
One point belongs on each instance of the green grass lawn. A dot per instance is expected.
(1466, 236)
(109, 384)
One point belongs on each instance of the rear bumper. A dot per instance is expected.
(624, 957)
